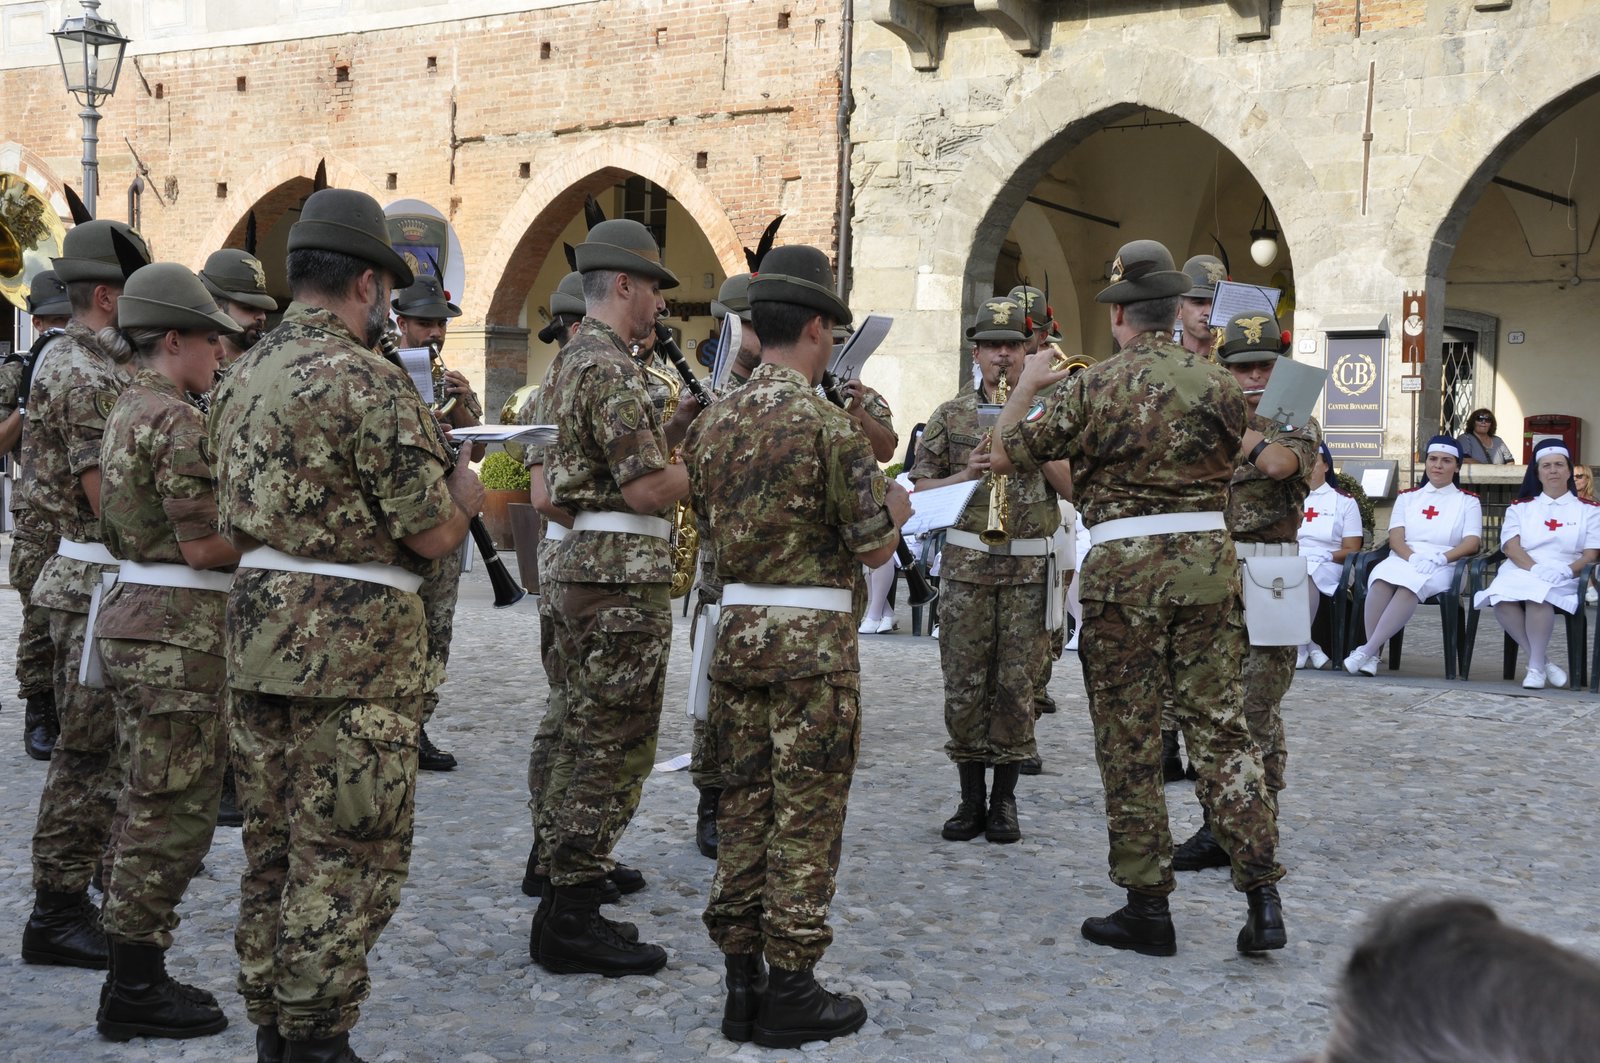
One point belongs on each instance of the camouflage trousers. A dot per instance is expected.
(1132, 656)
(615, 639)
(171, 727)
(328, 790)
(1268, 673)
(703, 767)
(548, 772)
(992, 646)
(788, 752)
(439, 595)
(79, 799)
(31, 546)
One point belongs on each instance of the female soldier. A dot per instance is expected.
(160, 634)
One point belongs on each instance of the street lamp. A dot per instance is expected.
(91, 50)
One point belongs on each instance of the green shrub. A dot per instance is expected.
(894, 470)
(1352, 487)
(501, 472)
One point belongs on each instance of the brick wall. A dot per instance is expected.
(1340, 16)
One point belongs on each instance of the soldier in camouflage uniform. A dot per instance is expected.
(796, 503)
(332, 481)
(75, 383)
(32, 541)
(1265, 505)
(992, 643)
(1153, 434)
(160, 633)
(610, 469)
(238, 282)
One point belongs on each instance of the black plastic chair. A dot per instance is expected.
(1452, 616)
(931, 547)
(1578, 664)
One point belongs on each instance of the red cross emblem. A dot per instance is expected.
(1552, 524)
(1311, 514)
(1430, 513)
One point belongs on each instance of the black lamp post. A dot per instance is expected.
(91, 51)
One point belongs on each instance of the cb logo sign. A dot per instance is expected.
(1354, 373)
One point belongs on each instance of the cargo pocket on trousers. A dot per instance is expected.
(828, 731)
(375, 761)
(174, 750)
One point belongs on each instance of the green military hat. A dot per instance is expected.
(625, 245)
(999, 321)
(1252, 336)
(351, 223)
(1033, 304)
(568, 296)
(87, 253)
(239, 276)
(425, 298)
(733, 298)
(799, 275)
(167, 295)
(47, 296)
(1204, 271)
(1143, 270)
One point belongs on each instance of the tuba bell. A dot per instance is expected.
(685, 532)
(30, 236)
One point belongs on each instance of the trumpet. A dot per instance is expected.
(1061, 360)
(994, 532)
(441, 404)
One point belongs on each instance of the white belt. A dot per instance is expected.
(828, 599)
(623, 524)
(555, 532)
(91, 553)
(1266, 549)
(154, 574)
(1010, 548)
(1157, 524)
(265, 557)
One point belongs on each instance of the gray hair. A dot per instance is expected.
(1151, 313)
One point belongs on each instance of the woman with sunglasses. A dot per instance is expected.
(1479, 445)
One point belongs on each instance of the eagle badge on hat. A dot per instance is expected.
(1252, 327)
(258, 271)
(1001, 309)
(1216, 271)
(1116, 270)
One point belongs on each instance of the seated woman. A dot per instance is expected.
(1548, 536)
(1479, 445)
(1432, 527)
(1329, 532)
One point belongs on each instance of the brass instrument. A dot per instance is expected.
(1060, 360)
(30, 236)
(994, 533)
(685, 533)
(441, 405)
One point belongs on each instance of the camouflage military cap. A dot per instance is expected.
(568, 296)
(351, 223)
(733, 298)
(1204, 271)
(425, 298)
(239, 276)
(47, 296)
(167, 295)
(801, 276)
(87, 253)
(625, 245)
(999, 321)
(1143, 270)
(1252, 336)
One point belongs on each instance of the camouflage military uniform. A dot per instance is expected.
(75, 384)
(1156, 429)
(323, 451)
(792, 494)
(611, 604)
(32, 544)
(992, 640)
(163, 657)
(1264, 510)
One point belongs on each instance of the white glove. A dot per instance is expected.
(1427, 564)
(1319, 558)
(1552, 573)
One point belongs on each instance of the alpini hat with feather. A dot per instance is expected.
(88, 253)
(799, 275)
(47, 296)
(625, 245)
(166, 295)
(1252, 336)
(351, 223)
(237, 275)
(425, 298)
(568, 296)
(999, 320)
(1143, 270)
(733, 298)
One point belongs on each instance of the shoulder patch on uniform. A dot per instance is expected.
(1035, 412)
(880, 489)
(103, 401)
(628, 413)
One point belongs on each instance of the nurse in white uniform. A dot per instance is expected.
(1548, 537)
(1432, 527)
(1330, 531)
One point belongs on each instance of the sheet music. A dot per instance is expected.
(1233, 298)
(853, 353)
(418, 364)
(534, 435)
(1292, 392)
(727, 349)
(938, 507)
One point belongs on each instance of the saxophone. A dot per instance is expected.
(994, 533)
(685, 533)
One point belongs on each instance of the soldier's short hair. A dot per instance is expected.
(1151, 313)
(780, 324)
(326, 273)
(597, 285)
(81, 294)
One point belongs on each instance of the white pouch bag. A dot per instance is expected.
(1277, 604)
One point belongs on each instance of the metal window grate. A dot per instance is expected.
(1459, 394)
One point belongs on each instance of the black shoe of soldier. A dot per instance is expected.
(269, 1045)
(1143, 925)
(335, 1049)
(431, 758)
(39, 727)
(1171, 763)
(1001, 825)
(1031, 766)
(795, 1010)
(1200, 852)
(533, 882)
(64, 931)
(746, 981)
(228, 813)
(1263, 928)
(627, 931)
(144, 1001)
(626, 879)
(972, 815)
(705, 823)
(1043, 705)
(576, 939)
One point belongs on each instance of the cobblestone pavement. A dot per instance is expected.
(962, 951)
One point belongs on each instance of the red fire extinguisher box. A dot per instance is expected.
(1563, 426)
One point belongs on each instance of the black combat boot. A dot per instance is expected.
(795, 1009)
(626, 879)
(1144, 925)
(1002, 826)
(576, 939)
(533, 882)
(64, 930)
(746, 981)
(145, 1002)
(228, 812)
(970, 818)
(1200, 852)
(269, 1045)
(335, 1049)
(431, 758)
(39, 726)
(624, 930)
(1032, 766)
(1171, 763)
(705, 825)
(1263, 928)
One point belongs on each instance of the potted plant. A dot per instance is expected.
(505, 481)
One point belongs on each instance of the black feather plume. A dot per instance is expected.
(129, 257)
(79, 210)
(250, 233)
(320, 180)
(1222, 253)
(592, 214)
(763, 245)
(572, 255)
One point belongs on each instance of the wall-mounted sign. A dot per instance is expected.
(1515, 336)
(1354, 403)
(1413, 327)
(1410, 385)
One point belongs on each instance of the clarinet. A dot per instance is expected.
(506, 590)
(669, 347)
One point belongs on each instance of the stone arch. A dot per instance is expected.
(528, 230)
(296, 164)
(15, 158)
